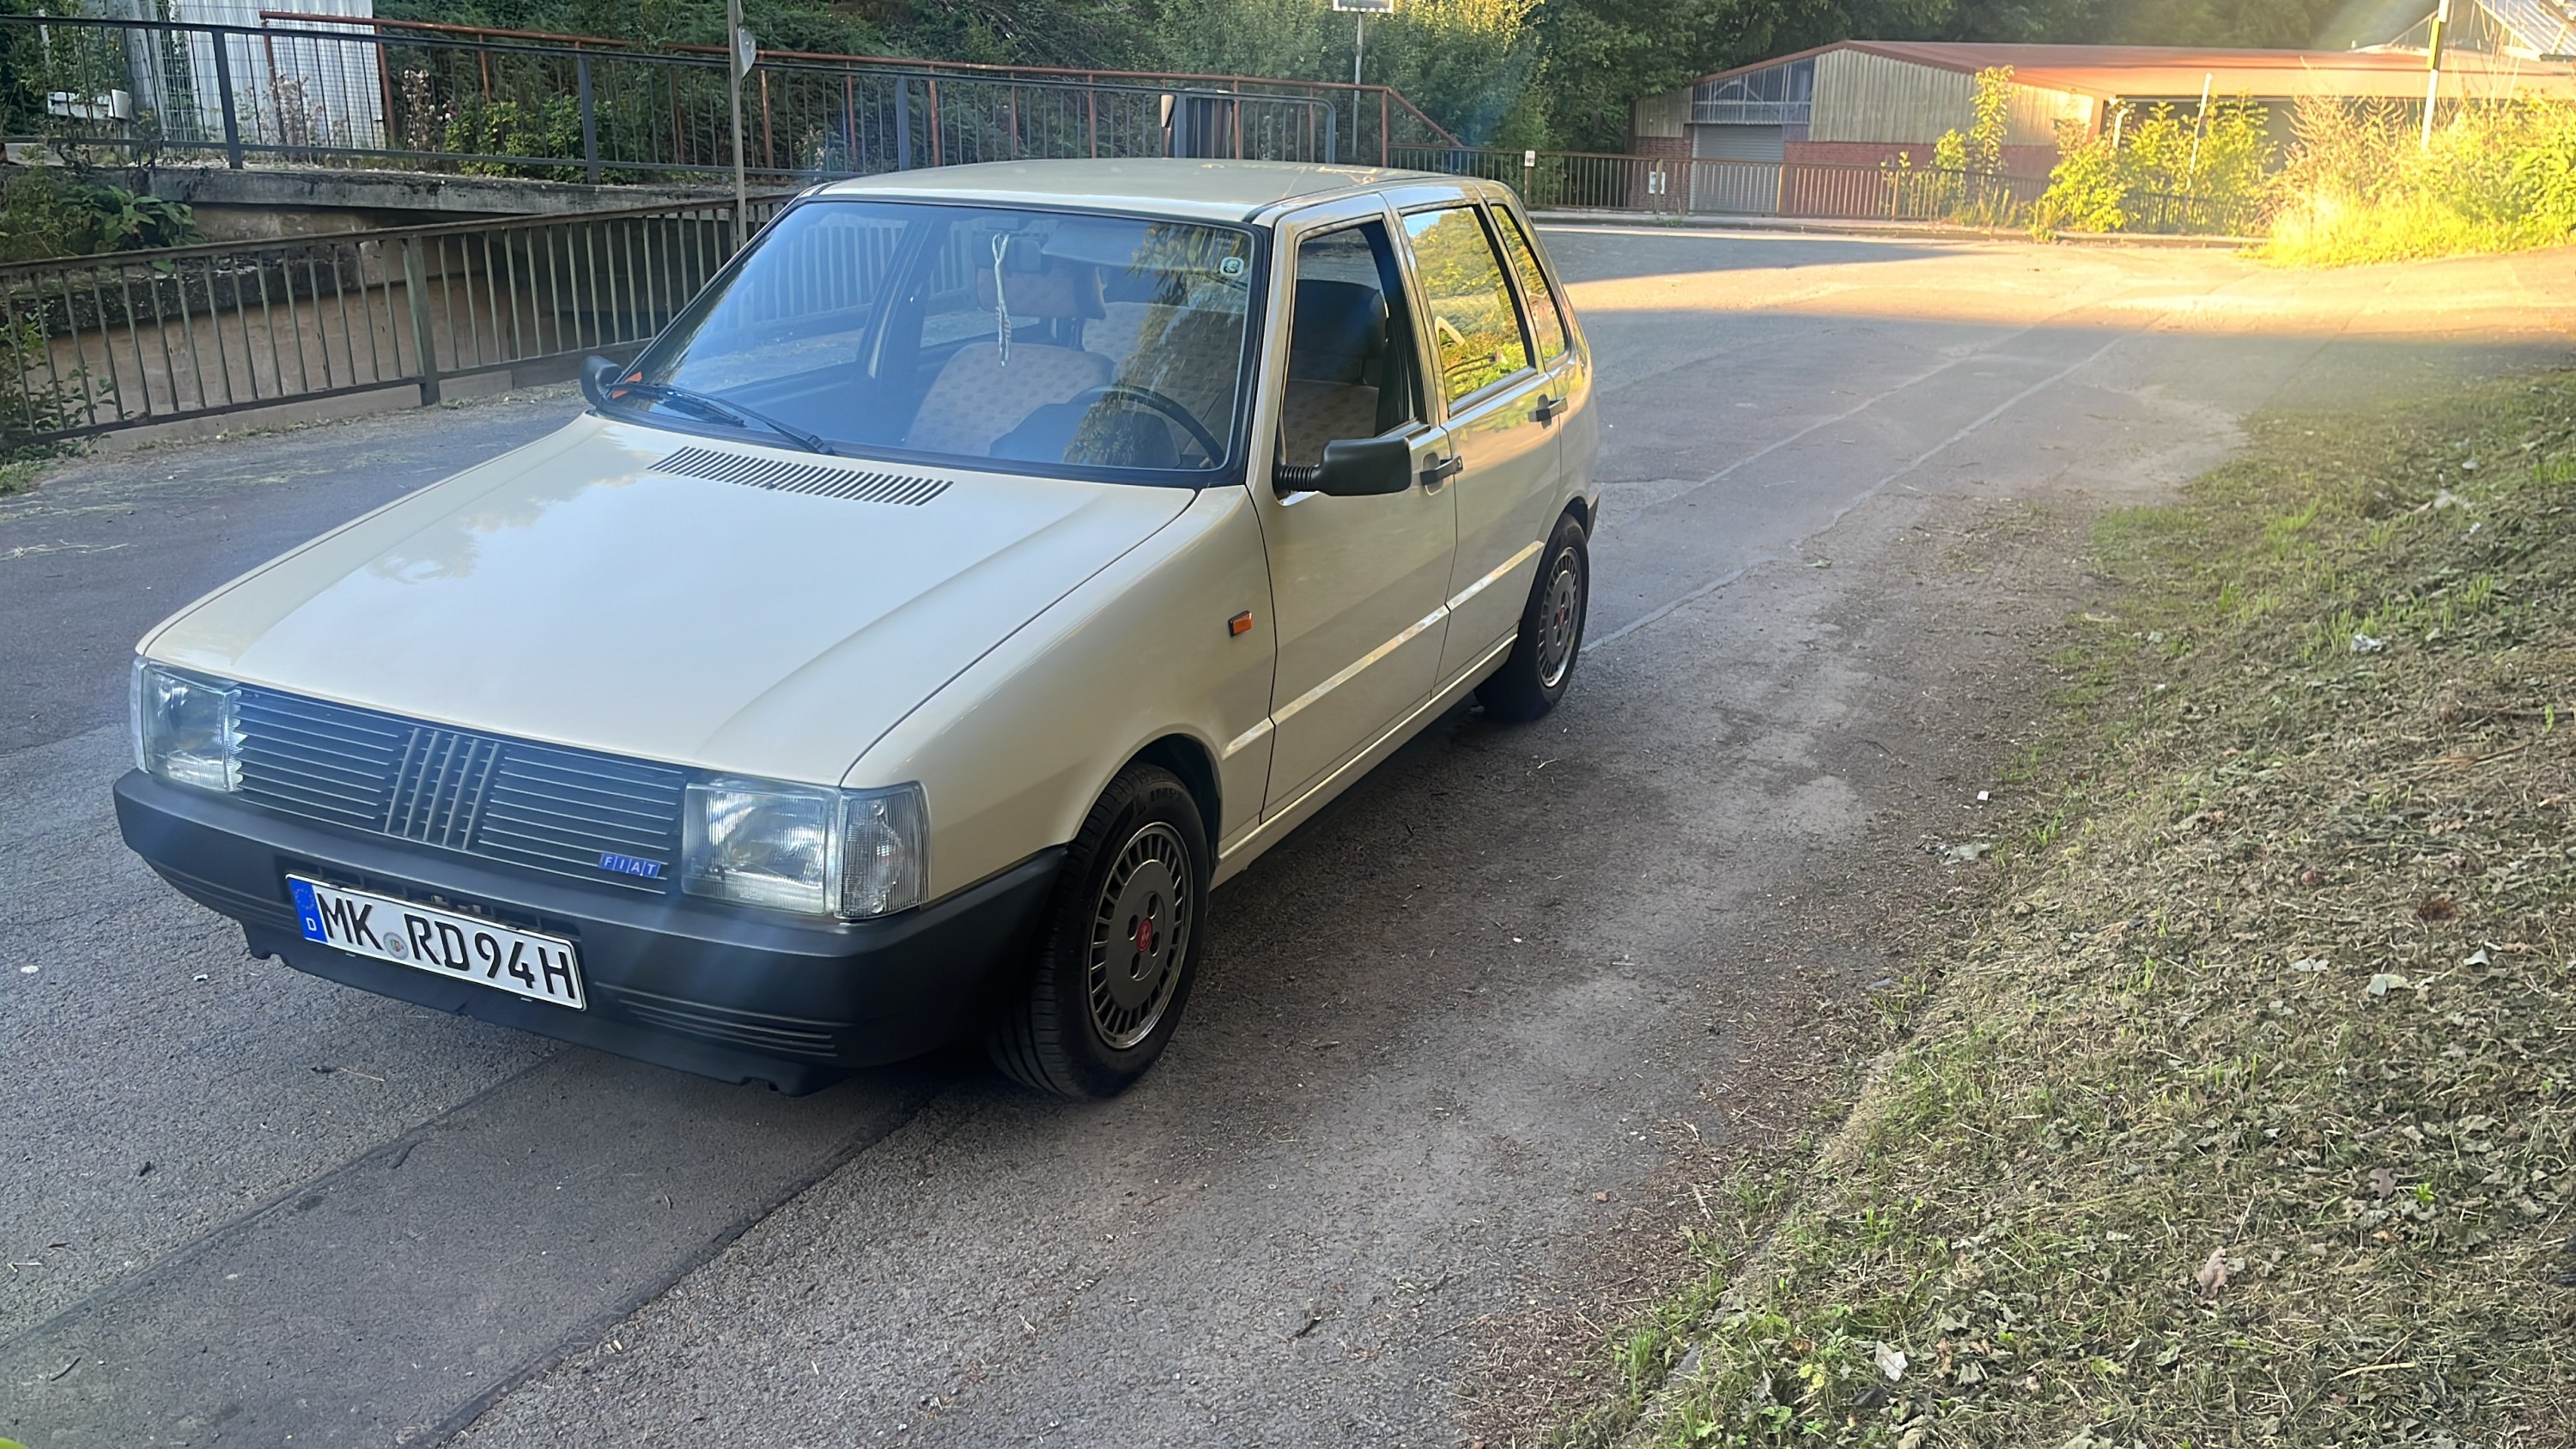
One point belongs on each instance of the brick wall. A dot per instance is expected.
(1675, 149)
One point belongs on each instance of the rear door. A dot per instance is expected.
(1503, 448)
(1566, 392)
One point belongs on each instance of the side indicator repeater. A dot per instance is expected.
(1239, 625)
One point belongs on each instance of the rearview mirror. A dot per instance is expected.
(1354, 468)
(595, 375)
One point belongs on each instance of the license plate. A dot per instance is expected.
(442, 943)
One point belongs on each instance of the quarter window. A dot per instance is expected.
(1474, 325)
(1547, 324)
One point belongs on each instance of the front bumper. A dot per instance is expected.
(726, 992)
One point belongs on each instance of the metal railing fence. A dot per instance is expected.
(317, 94)
(1593, 181)
(2156, 212)
(95, 344)
(1576, 181)
(1380, 115)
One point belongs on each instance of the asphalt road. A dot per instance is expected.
(1449, 1035)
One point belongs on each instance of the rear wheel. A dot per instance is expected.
(1119, 946)
(1541, 665)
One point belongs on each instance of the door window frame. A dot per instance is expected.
(1531, 367)
(1289, 232)
(1292, 248)
(1503, 216)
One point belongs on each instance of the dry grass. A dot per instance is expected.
(2360, 184)
(2244, 1120)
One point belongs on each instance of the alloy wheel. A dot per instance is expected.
(1140, 935)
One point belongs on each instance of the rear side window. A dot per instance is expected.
(1547, 324)
(1475, 327)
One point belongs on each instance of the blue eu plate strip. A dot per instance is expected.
(308, 912)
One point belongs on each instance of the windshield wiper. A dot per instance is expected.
(722, 411)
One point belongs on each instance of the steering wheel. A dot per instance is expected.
(1152, 401)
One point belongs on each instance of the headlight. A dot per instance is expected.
(186, 729)
(850, 853)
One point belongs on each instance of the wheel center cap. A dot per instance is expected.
(1140, 948)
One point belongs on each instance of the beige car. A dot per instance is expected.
(990, 562)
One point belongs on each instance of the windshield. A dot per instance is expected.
(970, 335)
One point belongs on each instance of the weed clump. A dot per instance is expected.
(2361, 184)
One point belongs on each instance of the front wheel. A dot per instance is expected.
(1119, 947)
(1541, 664)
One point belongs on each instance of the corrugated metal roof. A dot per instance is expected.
(2122, 71)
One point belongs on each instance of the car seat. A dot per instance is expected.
(1336, 362)
(981, 395)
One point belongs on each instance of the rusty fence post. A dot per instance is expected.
(416, 290)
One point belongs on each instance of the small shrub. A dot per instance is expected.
(1992, 105)
(545, 129)
(32, 399)
(2089, 189)
(52, 211)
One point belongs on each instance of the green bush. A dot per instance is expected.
(2162, 172)
(1961, 185)
(39, 402)
(51, 211)
(547, 129)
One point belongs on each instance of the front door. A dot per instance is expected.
(1499, 422)
(1357, 584)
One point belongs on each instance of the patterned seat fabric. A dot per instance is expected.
(978, 397)
(1315, 413)
(1336, 352)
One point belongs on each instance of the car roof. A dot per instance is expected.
(1159, 185)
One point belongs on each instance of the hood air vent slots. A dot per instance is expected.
(782, 476)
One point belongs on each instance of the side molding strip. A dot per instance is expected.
(1489, 580)
(1351, 670)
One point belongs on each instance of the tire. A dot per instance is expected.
(1541, 665)
(1118, 947)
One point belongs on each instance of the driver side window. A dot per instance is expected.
(1350, 345)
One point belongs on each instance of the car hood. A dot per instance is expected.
(588, 591)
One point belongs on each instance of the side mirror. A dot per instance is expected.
(1354, 468)
(596, 372)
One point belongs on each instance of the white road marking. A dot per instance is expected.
(1872, 491)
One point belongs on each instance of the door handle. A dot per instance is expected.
(1548, 408)
(1442, 471)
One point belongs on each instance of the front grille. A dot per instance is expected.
(438, 788)
(571, 812)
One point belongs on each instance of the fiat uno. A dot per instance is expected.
(989, 562)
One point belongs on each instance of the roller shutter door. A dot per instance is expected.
(1747, 176)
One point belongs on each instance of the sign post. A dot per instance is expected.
(2433, 66)
(1361, 10)
(745, 51)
